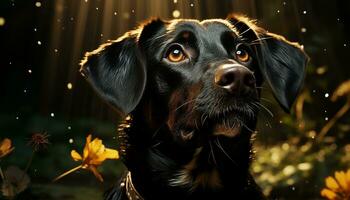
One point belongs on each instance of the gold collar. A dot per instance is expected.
(131, 191)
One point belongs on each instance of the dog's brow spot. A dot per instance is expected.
(186, 35)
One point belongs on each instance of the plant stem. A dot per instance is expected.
(29, 162)
(28, 165)
(334, 119)
(67, 172)
(2, 174)
(299, 107)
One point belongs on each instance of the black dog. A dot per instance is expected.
(190, 90)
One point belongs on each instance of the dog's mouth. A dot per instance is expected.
(227, 121)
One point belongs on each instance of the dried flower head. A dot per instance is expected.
(337, 188)
(5, 147)
(39, 141)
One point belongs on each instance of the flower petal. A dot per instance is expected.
(111, 154)
(96, 146)
(107, 154)
(96, 173)
(348, 179)
(87, 147)
(332, 184)
(75, 155)
(5, 145)
(329, 194)
(341, 179)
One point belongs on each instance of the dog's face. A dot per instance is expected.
(200, 78)
(211, 77)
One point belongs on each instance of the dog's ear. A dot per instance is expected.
(281, 62)
(117, 69)
(283, 66)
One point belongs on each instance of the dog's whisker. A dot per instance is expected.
(265, 108)
(241, 34)
(157, 131)
(157, 144)
(254, 44)
(187, 102)
(212, 153)
(195, 122)
(258, 41)
(206, 117)
(268, 124)
(189, 114)
(251, 110)
(267, 100)
(216, 104)
(261, 39)
(203, 119)
(160, 36)
(266, 120)
(245, 126)
(218, 144)
(260, 87)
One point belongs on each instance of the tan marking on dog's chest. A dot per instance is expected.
(208, 178)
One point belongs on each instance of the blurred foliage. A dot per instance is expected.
(312, 146)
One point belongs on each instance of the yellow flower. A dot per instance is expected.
(5, 147)
(337, 188)
(94, 154)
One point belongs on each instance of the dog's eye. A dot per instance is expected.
(176, 54)
(242, 54)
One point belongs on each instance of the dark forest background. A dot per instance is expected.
(41, 90)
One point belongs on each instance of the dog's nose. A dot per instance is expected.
(234, 78)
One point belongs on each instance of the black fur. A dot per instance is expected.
(188, 138)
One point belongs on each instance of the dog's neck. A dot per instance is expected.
(159, 166)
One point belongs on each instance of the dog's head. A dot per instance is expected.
(196, 75)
